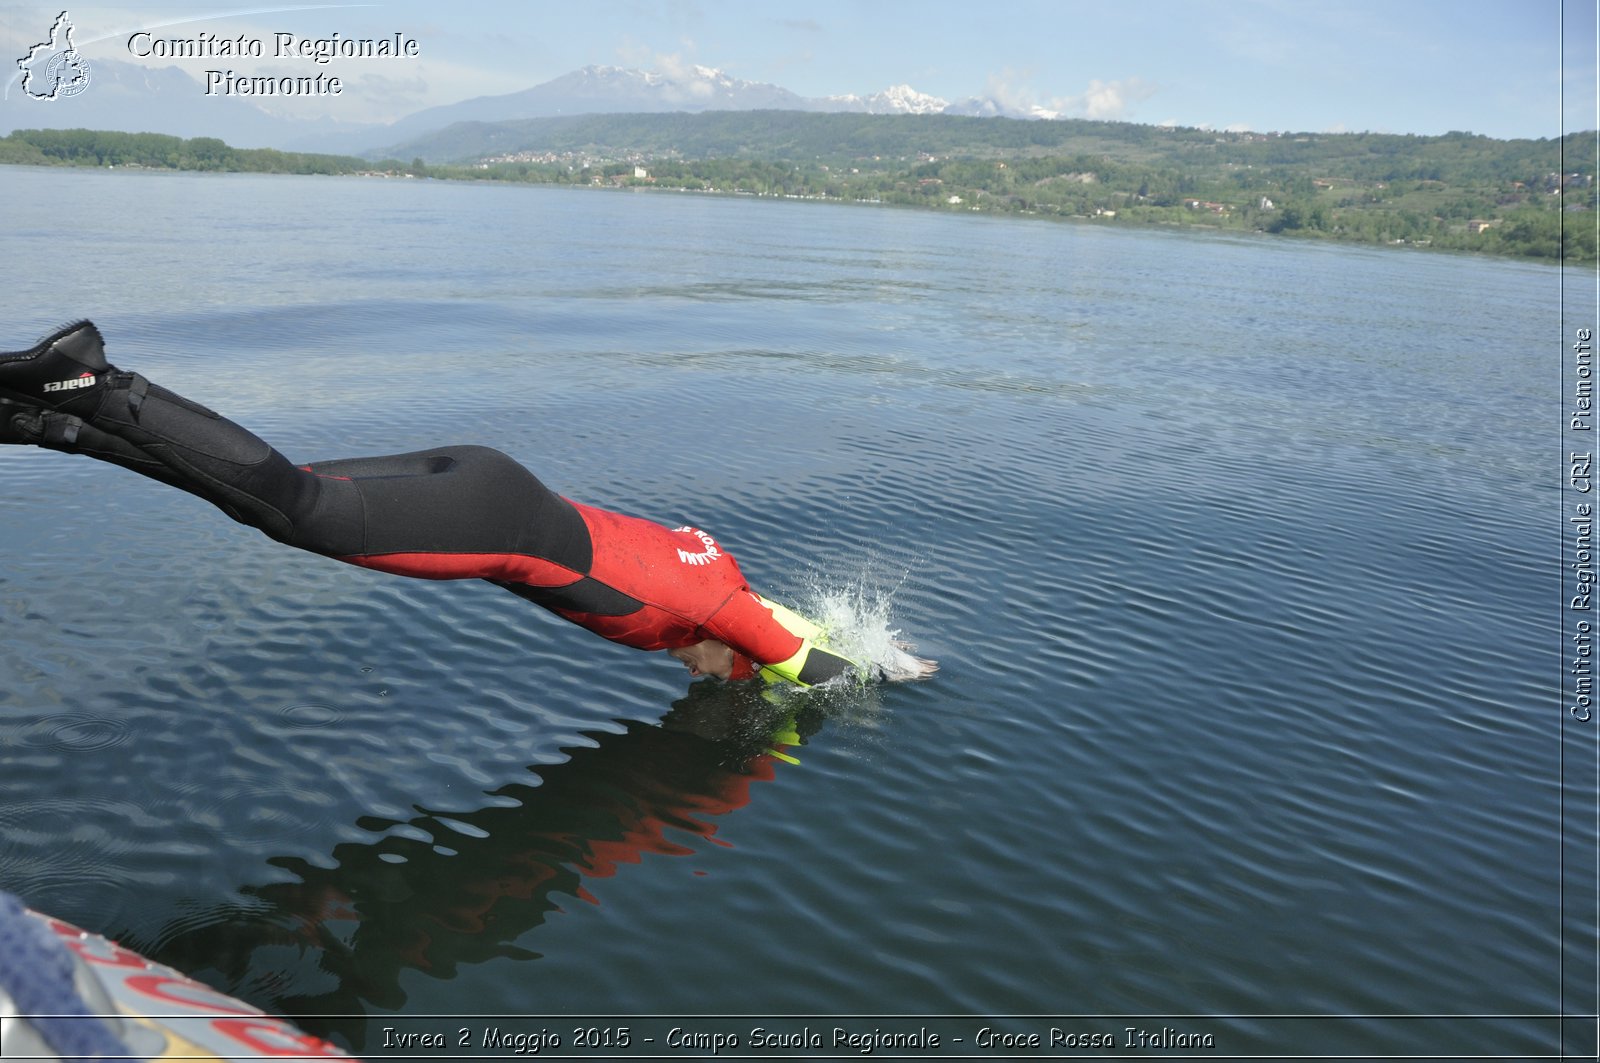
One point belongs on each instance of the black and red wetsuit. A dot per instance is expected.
(470, 512)
(463, 512)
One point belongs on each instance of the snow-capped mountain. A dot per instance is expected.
(988, 107)
(612, 89)
(896, 99)
(618, 90)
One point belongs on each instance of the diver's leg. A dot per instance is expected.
(455, 512)
(64, 395)
(64, 432)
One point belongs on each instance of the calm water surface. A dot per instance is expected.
(1238, 556)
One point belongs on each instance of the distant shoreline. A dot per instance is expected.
(1505, 205)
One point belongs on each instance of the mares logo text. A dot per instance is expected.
(84, 381)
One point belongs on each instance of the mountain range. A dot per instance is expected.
(131, 98)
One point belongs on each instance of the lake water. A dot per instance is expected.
(1240, 557)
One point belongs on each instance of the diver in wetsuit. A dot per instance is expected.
(463, 512)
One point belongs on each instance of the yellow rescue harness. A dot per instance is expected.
(811, 664)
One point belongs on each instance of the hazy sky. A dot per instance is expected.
(1506, 68)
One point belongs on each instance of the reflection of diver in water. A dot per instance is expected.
(446, 888)
(463, 512)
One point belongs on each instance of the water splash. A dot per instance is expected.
(857, 614)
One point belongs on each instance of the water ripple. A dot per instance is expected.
(72, 732)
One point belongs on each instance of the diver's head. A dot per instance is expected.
(712, 657)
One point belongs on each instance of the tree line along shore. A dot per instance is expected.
(1526, 198)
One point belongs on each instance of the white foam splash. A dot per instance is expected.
(858, 621)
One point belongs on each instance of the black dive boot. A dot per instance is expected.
(66, 371)
(64, 395)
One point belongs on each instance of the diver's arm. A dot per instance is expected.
(781, 642)
(812, 666)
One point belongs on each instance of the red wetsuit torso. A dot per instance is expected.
(688, 587)
(645, 586)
